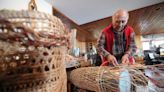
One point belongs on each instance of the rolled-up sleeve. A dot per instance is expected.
(132, 46)
(101, 44)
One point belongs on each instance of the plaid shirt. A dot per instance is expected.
(118, 44)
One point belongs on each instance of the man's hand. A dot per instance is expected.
(112, 59)
(125, 59)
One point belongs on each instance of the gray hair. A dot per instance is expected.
(121, 11)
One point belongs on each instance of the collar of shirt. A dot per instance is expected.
(117, 32)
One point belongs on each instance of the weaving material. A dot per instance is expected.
(107, 79)
(32, 52)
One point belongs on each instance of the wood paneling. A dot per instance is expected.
(96, 26)
(138, 41)
(148, 20)
(81, 45)
(82, 35)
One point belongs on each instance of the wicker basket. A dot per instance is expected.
(32, 52)
(107, 79)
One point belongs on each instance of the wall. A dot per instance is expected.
(82, 35)
(138, 41)
(42, 5)
(147, 20)
(150, 42)
(81, 45)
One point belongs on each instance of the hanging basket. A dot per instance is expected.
(32, 52)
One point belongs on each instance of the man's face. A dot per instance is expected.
(119, 21)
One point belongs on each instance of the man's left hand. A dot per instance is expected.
(125, 59)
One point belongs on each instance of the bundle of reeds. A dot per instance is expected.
(108, 79)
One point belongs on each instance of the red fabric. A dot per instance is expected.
(109, 36)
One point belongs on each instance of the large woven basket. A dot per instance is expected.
(107, 79)
(32, 52)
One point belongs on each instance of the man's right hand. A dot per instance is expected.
(112, 59)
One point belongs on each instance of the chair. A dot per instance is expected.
(151, 59)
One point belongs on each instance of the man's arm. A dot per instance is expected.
(132, 46)
(100, 49)
(131, 50)
(101, 44)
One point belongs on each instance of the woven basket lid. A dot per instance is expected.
(49, 29)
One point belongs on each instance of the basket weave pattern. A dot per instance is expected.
(32, 52)
(105, 79)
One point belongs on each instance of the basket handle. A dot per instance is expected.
(32, 6)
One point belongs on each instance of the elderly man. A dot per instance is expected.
(116, 42)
